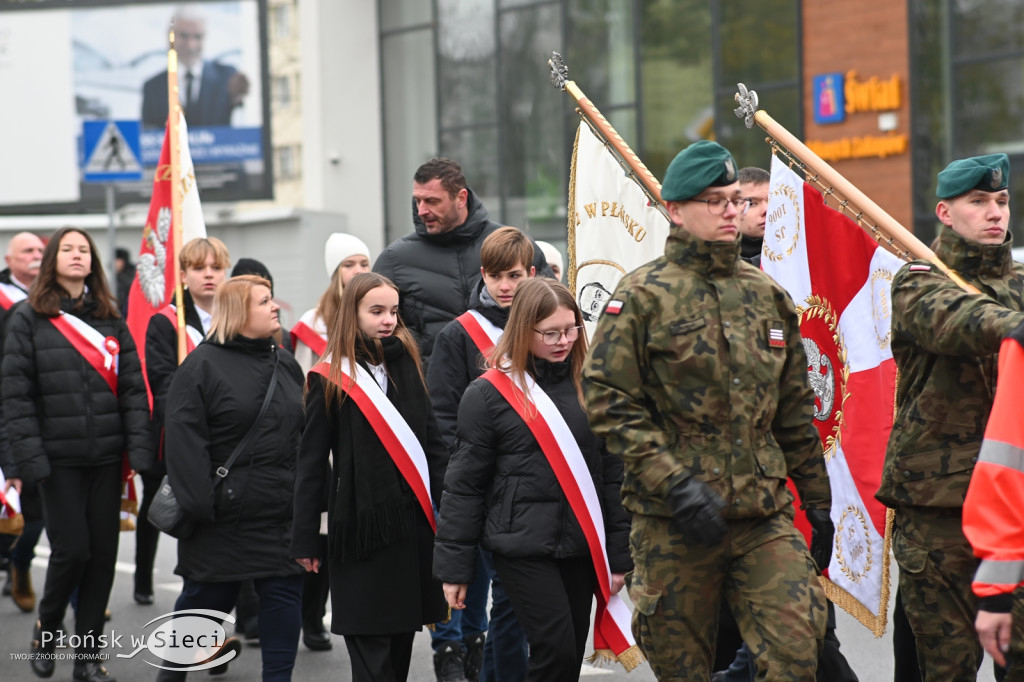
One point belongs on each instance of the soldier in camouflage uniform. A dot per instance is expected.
(697, 378)
(945, 343)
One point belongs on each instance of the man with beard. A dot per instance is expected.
(436, 267)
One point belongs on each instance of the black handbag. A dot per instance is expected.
(166, 514)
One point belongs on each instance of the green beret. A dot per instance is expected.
(989, 173)
(701, 165)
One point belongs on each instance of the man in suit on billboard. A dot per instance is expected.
(209, 90)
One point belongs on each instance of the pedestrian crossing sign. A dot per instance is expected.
(112, 151)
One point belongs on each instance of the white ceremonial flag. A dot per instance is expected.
(612, 228)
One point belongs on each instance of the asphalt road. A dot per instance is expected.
(871, 658)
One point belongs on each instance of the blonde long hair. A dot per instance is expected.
(345, 339)
(231, 306)
(537, 299)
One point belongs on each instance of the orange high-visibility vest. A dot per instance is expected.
(993, 514)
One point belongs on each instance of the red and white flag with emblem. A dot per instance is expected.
(839, 279)
(154, 283)
(154, 276)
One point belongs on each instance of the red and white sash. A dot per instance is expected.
(612, 619)
(193, 337)
(10, 502)
(390, 426)
(485, 334)
(304, 331)
(100, 351)
(10, 294)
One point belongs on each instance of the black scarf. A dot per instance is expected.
(373, 502)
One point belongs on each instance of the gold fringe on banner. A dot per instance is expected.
(570, 250)
(628, 659)
(847, 602)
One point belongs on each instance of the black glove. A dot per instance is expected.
(822, 535)
(696, 512)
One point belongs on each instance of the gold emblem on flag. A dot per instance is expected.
(782, 222)
(828, 368)
(881, 305)
(854, 553)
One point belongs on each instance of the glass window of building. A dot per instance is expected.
(967, 97)
(281, 18)
(282, 90)
(468, 79)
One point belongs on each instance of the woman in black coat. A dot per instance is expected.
(244, 524)
(74, 403)
(501, 491)
(380, 537)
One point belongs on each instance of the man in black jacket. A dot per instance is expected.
(24, 254)
(751, 220)
(436, 267)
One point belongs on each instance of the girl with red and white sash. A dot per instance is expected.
(531, 482)
(345, 256)
(74, 402)
(367, 403)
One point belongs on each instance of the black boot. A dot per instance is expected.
(449, 663)
(316, 637)
(42, 656)
(91, 671)
(231, 644)
(474, 646)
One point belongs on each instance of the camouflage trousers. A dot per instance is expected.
(763, 571)
(937, 566)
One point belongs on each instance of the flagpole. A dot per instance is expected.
(895, 234)
(173, 123)
(626, 157)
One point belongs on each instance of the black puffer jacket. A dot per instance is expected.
(245, 525)
(10, 469)
(58, 410)
(500, 491)
(457, 362)
(161, 363)
(436, 274)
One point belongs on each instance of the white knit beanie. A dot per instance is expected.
(552, 256)
(340, 246)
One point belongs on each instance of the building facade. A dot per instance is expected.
(888, 93)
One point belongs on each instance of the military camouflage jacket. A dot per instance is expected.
(945, 343)
(703, 374)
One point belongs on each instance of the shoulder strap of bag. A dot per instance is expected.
(222, 471)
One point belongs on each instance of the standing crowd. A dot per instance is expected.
(438, 433)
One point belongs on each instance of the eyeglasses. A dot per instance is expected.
(716, 206)
(554, 336)
(751, 203)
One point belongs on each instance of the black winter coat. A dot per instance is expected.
(58, 410)
(10, 469)
(389, 590)
(436, 274)
(161, 363)
(457, 362)
(500, 490)
(245, 525)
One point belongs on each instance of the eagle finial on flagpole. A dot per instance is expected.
(559, 71)
(747, 100)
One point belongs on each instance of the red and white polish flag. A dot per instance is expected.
(840, 278)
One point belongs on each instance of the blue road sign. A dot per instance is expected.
(112, 151)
